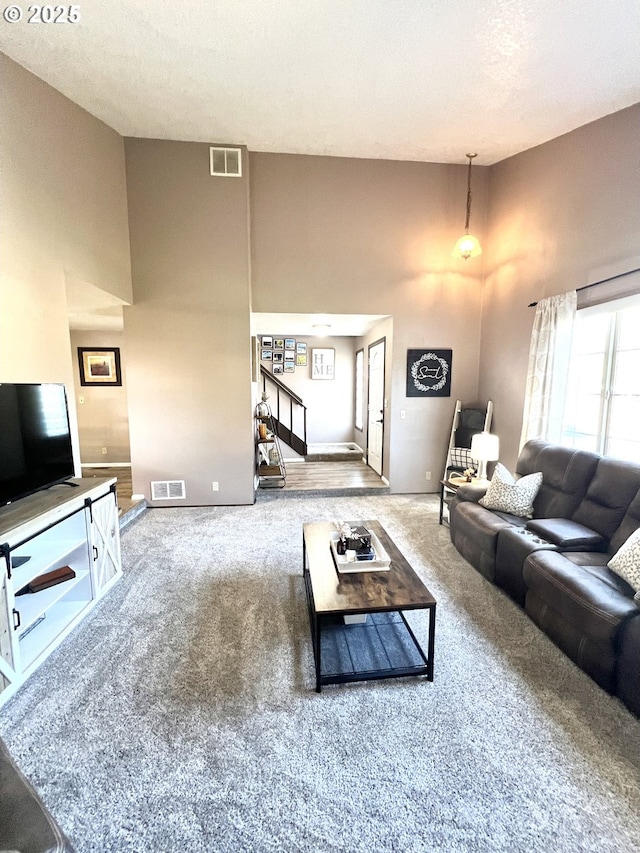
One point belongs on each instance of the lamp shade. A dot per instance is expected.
(485, 447)
(467, 246)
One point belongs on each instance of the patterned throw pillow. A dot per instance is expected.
(626, 562)
(509, 495)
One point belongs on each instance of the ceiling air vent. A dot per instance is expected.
(168, 490)
(226, 161)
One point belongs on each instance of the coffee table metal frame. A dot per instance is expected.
(338, 595)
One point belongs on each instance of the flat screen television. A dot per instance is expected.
(35, 439)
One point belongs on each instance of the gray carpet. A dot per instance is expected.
(181, 715)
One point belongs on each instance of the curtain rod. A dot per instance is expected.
(594, 283)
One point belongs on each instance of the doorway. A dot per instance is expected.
(375, 405)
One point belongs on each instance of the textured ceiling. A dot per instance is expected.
(399, 79)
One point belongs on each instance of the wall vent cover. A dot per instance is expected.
(168, 490)
(225, 161)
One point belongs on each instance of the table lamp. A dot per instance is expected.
(485, 447)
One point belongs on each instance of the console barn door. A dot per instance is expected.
(105, 541)
(375, 406)
(8, 673)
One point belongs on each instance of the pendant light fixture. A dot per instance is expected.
(467, 246)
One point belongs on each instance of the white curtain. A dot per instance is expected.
(549, 356)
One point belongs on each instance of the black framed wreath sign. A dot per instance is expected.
(429, 372)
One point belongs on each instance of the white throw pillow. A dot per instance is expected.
(626, 562)
(507, 494)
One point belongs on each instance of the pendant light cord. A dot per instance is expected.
(466, 226)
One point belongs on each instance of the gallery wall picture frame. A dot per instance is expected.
(301, 347)
(429, 372)
(290, 343)
(301, 359)
(289, 356)
(99, 366)
(278, 357)
(323, 363)
(289, 367)
(267, 355)
(278, 368)
(267, 342)
(278, 343)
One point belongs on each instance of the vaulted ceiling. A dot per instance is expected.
(398, 79)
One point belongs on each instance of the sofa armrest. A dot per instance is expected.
(471, 492)
(567, 535)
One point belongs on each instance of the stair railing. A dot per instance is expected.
(289, 412)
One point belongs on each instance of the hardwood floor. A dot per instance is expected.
(323, 476)
(301, 476)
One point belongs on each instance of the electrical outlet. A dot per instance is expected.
(104, 451)
(428, 475)
(403, 414)
(81, 400)
(215, 486)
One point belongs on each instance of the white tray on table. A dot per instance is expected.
(380, 563)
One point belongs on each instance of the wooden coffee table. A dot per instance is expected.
(385, 646)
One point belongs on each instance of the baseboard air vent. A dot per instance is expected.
(226, 162)
(168, 490)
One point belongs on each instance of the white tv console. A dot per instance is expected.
(69, 526)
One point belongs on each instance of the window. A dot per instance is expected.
(602, 409)
(359, 389)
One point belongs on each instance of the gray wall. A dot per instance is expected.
(328, 235)
(63, 212)
(557, 213)
(103, 415)
(188, 332)
(337, 235)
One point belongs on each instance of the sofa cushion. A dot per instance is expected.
(567, 535)
(610, 493)
(566, 474)
(507, 494)
(629, 523)
(592, 598)
(626, 562)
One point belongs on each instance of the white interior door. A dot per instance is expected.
(375, 406)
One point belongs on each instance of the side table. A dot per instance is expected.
(448, 488)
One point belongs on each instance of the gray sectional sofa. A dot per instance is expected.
(26, 825)
(554, 564)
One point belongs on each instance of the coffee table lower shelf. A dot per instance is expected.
(382, 647)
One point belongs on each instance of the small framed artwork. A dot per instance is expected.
(301, 347)
(290, 343)
(323, 363)
(301, 359)
(429, 372)
(266, 354)
(289, 367)
(99, 366)
(267, 342)
(278, 343)
(278, 368)
(289, 356)
(279, 357)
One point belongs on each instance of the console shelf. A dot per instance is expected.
(76, 527)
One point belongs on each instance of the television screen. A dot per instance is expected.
(35, 440)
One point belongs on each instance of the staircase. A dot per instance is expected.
(289, 413)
